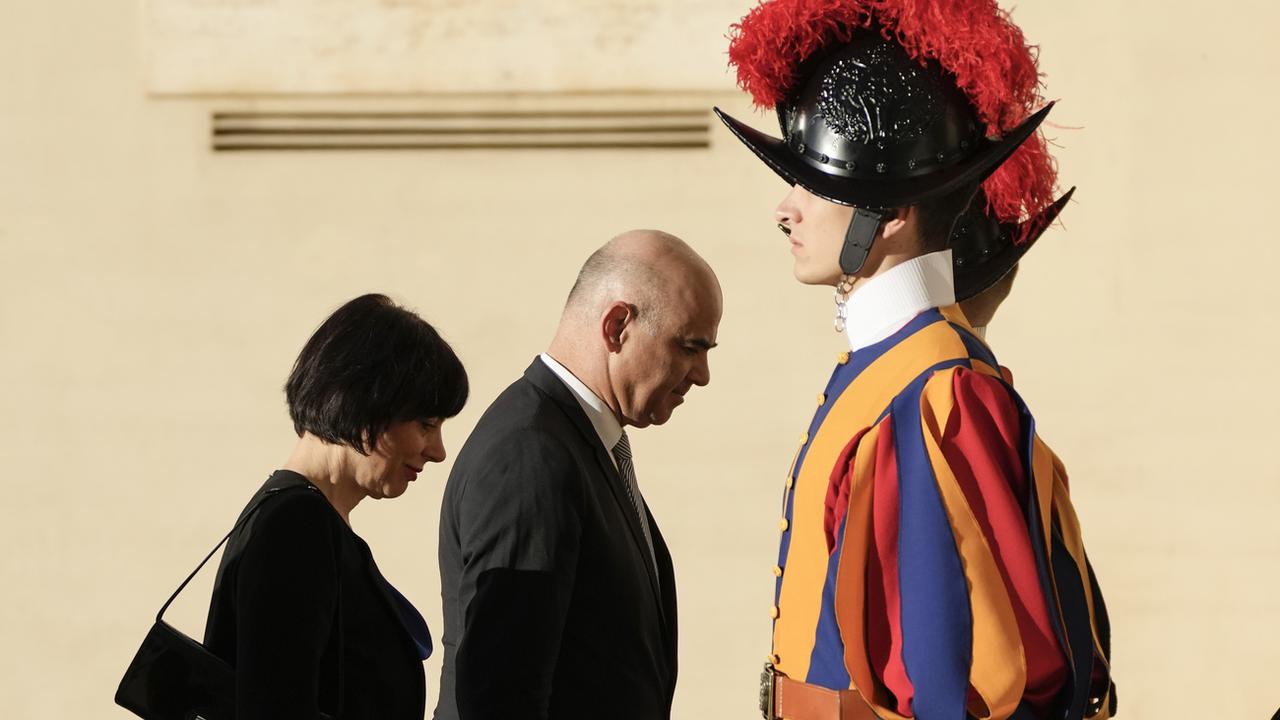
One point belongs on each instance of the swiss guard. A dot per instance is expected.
(931, 564)
(985, 255)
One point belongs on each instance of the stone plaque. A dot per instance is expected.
(438, 46)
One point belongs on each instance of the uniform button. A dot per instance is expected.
(777, 571)
(822, 398)
(842, 358)
(773, 612)
(783, 524)
(774, 659)
(804, 438)
(790, 481)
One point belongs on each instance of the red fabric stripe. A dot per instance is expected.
(884, 626)
(982, 444)
(836, 505)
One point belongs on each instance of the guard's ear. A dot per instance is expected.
(896, 220)
(614, 323)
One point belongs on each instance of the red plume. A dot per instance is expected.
(1022, 187)
(769, 44)
(974, 40)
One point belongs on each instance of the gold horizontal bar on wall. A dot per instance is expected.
(471, 114)
(639, 129)
(477, 146)
(481, 130)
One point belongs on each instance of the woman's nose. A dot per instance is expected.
(433, 450)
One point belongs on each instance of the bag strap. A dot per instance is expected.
(239, 523)
(337, 565)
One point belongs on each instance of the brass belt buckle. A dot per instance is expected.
(768, 692)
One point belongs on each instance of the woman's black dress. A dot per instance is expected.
(292, 570)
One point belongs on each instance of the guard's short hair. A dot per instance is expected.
(938, 216)
(372, 363)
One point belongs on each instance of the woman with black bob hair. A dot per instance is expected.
(299, 608)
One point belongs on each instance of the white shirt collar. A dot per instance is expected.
(601, 417)
(887, 302)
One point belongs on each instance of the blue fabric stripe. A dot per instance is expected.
(841, 378)
(858, 362)
(1035, 524)
(1073, 629)
(826, 662)
(1075, 615)
(975, 347)
(1103, 622)
(784, 543)
(937, 622)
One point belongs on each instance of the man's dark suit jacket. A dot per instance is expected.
(551, 605)
(282, 580)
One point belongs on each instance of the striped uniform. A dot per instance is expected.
(930, 556)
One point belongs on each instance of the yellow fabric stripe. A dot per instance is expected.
(1072, 538)
(800, 600)
(1042, 470)
(999, 668)
(1069, 525)
(1060, 472)
(1042, 467)
(954, 314)
(984, 368)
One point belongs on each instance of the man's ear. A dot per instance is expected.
(613, 325)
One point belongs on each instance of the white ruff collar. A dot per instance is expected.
(886, 302)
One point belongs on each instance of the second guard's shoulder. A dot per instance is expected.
(968, 390)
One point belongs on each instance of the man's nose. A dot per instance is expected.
(788, 211)
(701, 373)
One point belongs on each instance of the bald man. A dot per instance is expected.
(559, 596)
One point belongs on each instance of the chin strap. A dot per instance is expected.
(858, 238)
(843, 288)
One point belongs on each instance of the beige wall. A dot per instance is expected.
(421, 46)
(153, 295)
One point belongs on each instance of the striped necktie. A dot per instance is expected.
(622, 454)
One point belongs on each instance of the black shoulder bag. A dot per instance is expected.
(174, 677)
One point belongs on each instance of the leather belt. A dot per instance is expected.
(782, 698)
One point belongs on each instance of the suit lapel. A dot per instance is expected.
(546, 381)
(668, 587)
